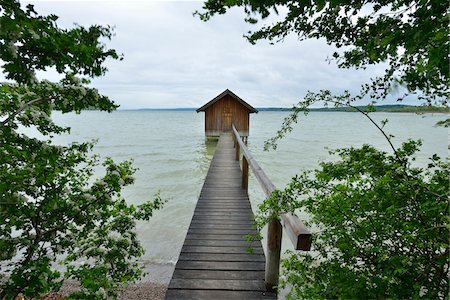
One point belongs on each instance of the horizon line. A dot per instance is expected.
(259, 108)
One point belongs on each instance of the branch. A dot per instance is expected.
(379, 128)
(73, 217)
(25, 106)
(37, 239)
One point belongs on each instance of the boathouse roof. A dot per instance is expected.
(223, 94)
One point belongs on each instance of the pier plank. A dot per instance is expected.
(219, 275)
(175, 294)
(233, 248)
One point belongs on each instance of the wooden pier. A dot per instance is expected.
(215, 261)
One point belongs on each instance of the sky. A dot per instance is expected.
(172, 59)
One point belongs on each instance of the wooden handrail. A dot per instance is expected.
(298, 233)
(296, 230)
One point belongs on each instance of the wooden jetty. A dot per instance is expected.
(215, 261)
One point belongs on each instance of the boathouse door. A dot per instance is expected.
(226, 119)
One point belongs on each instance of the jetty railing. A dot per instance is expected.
(296, 230)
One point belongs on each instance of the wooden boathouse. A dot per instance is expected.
(223, 111)
(215, 261)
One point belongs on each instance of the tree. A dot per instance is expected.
(382, 225)
(411, 36)
(50, 209)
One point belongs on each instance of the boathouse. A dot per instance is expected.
(223, 111)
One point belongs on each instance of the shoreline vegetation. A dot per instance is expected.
(394, 108)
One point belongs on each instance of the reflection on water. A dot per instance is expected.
(170, 150)
(206, 153)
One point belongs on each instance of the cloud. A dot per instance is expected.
(173, 59)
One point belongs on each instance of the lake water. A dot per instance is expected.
(170, 151)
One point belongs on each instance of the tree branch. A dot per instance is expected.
(379, 128)
(25, 106)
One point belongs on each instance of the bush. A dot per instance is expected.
(382, 227)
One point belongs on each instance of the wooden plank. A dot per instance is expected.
(250, 223)
(221, 231)
(220, 219)
(223, 203)
(225, 213)
(214, 284)
(228, 204)
(222, 275)
(236, 257)
(205, 220)
(225, 216)
(219, 206)
(173, 294)
(215, 197)
(220, 265)
(220, 225)
(222, 243)
(239, 249)
(215, 220)
(300, 235)
(223, 195)
(233, 237)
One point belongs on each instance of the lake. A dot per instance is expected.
(170, 151)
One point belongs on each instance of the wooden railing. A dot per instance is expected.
(297, 232)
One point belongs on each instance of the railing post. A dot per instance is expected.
(238, 152)
(274, 233)
(244, 173)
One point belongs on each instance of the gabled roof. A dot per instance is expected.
(230, 93)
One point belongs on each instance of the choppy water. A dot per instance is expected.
(170, 151)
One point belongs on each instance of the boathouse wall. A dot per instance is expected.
(223, 111)
(222, 114)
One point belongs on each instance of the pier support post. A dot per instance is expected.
(244, 173)
(274, 234)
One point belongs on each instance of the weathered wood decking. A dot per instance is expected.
(214, 262)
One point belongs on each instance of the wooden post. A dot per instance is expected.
(244, 173)
(237, 151)
(274, 232)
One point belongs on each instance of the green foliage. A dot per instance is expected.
(381, 227)
(411, 36)
(51, 209)
(31, 42)
(445, 123)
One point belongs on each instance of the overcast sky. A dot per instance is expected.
(172, 59)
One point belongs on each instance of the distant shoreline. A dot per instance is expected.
(394, 108)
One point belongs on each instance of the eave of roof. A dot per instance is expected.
(230, 93)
